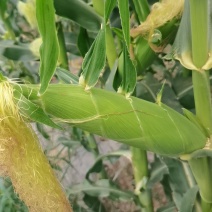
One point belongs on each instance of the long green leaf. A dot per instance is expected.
(128, 73)
(109, 6)
(110, 44)
(100, 158)
(16, 52)
(34, 112)
(189, 200)
(66, 76)
(94, 61)
(125, 20)
(49, 50)
(131, 121)
(83, 41)
(101, 188)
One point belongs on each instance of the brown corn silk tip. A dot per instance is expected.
(22, 159)
(160, 14)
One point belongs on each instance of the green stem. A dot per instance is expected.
(201, 167)
(142, 9)
(199, 27)
(202, 172)
(191, 182)
(110, 48)
(63, 58)
(202, 96)
(140, 168)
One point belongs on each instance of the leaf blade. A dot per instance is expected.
(49, 50)
(94, 61)
(125, 20)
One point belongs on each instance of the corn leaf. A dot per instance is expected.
(118, 33)
(79, 12)
(196, 121)
(32, 111)
(66, 76)
(94, 61)
(49, 51)
(109, 5)
(137, 122)
(16, 52)
(100, 158)
(128, 73)
(176, 179)
(125, 20)
(188, 200)
(158, 170)
(201, 153)
(101, 188)
(83, 41)
(110, 79)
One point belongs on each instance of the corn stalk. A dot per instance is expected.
(193, 51)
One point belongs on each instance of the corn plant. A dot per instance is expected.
(103, 97)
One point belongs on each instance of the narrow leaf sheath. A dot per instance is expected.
(49, 50)
(132, 121)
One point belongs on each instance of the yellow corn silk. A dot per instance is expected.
(161, 13)
(22, 159)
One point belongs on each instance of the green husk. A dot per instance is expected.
(131, 120)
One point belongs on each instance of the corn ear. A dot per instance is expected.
(22, 159)
(130, 121)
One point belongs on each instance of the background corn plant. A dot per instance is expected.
(125, 62)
